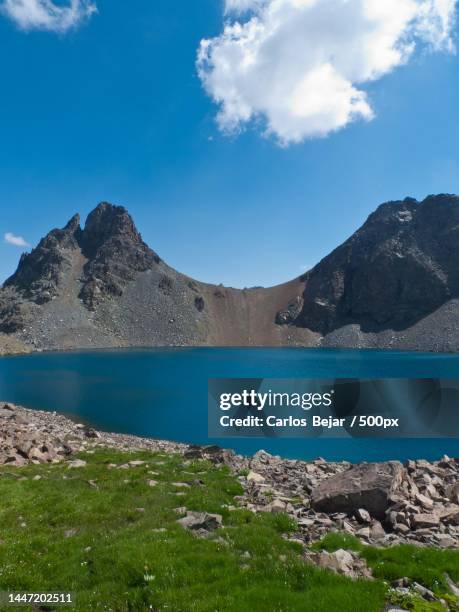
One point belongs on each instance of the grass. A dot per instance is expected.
(426, 566)
(114, 541)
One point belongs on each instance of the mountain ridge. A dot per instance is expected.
(393, 284)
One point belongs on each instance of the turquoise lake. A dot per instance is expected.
(162, 393)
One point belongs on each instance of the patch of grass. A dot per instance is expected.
(333, 541)
(427, 566)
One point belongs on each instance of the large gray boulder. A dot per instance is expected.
(367, 485)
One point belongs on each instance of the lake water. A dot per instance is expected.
(162, 393)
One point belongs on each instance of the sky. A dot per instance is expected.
(247, 139)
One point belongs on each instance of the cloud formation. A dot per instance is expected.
(16, 240)
(46, 15)
(299, 66)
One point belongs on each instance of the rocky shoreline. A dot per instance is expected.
(382, 504)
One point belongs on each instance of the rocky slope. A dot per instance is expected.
(394, 283)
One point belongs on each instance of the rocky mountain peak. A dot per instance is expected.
(402, 264)
(110, 243)
(115, 252)
(40, 271)
(107, 222)
(73, 226)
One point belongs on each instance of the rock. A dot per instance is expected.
(89, 432)
(152, 483)
(180, 510)
(425, 593)
(276, 506)
(341, 562)
(363, 533)
(425, 520)
(454, 588)
(136, 463)
(362, 516)
(366, 486)
(76, 463)
(377, 532)
(453, 493)
(255, 477)
(180, 485)
(424, 501)
(450, 516)
(201, 520)
(401, 583)
(445, 541)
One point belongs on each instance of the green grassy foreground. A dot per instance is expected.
(107, 536)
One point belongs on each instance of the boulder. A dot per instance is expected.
(200, 520)
(453, 493)
(424, 501)
(450, 516)
(377, 532)
(341, 561)
(420, 521)
(276, 506)
(363, 516)
(255, 477)
(367, 486)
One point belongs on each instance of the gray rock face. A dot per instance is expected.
(402, 264)
(367, 486)
(115, 252)
(39, 275)
(109, 243)
(39, 272)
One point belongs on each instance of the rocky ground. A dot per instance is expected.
(380, 503)
(12, 346)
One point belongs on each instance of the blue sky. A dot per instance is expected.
(114, 110)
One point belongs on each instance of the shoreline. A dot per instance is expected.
(121, 348)
(416, 502)
(25, 349)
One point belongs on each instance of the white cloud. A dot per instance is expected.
(241, 6)
(16, 240)
(299, 65)
(46, 15)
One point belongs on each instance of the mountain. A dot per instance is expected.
(394, 283)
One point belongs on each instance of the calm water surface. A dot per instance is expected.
(162, 393)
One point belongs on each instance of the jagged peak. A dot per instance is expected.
(107, 221)
(73, 225)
